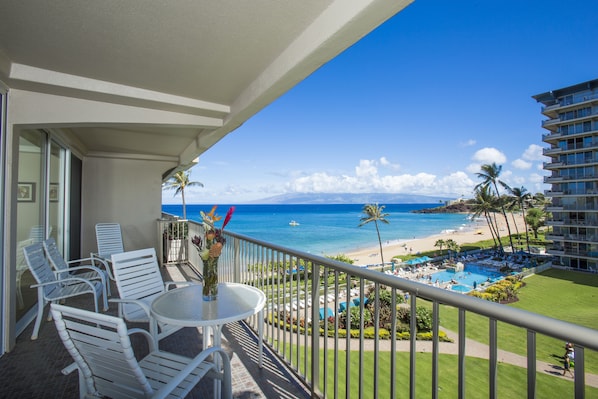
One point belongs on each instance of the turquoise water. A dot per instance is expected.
(465, 279)
(329, 229)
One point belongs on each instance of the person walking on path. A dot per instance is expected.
(569, 354)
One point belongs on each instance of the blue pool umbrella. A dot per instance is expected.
(330, 313)
(343, 305)
(425, 258)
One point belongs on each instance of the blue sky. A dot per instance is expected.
(414, 107)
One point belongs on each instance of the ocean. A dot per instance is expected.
(328, 229)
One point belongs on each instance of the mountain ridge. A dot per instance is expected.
(345, 198)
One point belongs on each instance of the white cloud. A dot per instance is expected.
(521, 164)
(533, 153)
(489, 155)
(366, 168)
(368, 179)
(474, 167)
(468, 143)
(385, 162)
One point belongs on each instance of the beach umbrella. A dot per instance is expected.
(342, 306)
(330, 313)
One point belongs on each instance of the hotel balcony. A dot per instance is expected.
(554, 109)
(552, 136)
(550, 122)
(551, 151)
(301, 363)
(555, 223)
(554, 237)
(556, 251)
(554, 165)
(554, 193)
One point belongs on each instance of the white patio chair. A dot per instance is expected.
(107, 366)
(85, 267)
(139, 282)
(21, 268)
(109, 240)
(50, 288)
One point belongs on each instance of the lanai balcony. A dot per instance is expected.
(304, 364)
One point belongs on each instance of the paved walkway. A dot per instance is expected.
(479, 350)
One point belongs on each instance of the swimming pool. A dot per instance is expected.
(465, 280)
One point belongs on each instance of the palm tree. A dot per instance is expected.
(535, 219)
(520, 197)
(374, 213)
(484, 204)
(440, 243)
(490, 174)
(451, 245)
(179, 182)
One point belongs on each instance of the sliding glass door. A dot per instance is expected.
(42, 207)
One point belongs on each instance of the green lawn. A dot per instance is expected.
(511, 382)
(564, 295)
(560, 294)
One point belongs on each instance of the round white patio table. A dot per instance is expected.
(185, 307)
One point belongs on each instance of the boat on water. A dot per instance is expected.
(293, 223)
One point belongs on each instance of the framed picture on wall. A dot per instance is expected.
(53, 192)
(26, 192)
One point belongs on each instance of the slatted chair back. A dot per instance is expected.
(40, 268)
(137, 275)
(102, 350)
(109, 239)
(85, 269)
(50, 288)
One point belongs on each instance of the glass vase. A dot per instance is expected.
(210, 279)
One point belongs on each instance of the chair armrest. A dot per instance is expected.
(146, 334)
(169, 284)
(85, 267)
(137, 302)
(65, 280)
(196, 361)
(94, 257)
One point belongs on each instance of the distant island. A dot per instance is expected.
(455, 207)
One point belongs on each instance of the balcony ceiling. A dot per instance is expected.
(205, 67)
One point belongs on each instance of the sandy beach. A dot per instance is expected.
(479, 232)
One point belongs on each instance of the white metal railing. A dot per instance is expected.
(294, 282)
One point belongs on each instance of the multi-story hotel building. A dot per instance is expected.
(573, 138)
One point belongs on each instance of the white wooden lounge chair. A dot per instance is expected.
(85, 267)
(107, 366)
(139, 282)
(109, 240)
(50, 288)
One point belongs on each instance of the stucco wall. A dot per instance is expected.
(125, 191)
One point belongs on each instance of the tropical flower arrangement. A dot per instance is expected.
(210, 248)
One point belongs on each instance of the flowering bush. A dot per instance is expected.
(210, 248)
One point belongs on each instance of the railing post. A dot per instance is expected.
(462, 339)
(493, 358)
(412, 345)
(531, 364)
(315, 336)
(435, 347)
(237, 261)
(580, 377)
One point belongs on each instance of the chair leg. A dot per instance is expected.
(40, 313)
(20, 296)
(105, 299)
